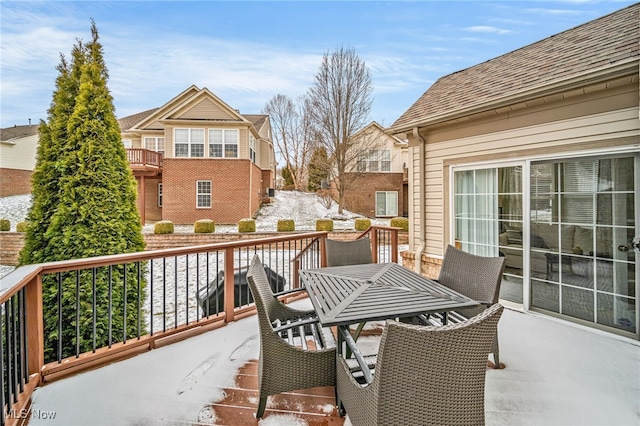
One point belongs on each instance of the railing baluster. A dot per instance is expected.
(110, 304)
(94, 303)
(125, 271)
(198, 286)
(77, 314)
(186, 293)
(25, 340)
(138, 302)
(151, 297)
(3, 391)
(164, 294)
(7, 317)
(59, 279)
(175, 291)
(14, 336)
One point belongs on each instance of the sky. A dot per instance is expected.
(246, 52)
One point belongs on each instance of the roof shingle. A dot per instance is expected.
(600, 43)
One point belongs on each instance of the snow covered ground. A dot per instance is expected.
(303, 207)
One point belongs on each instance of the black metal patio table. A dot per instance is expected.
(343, 295)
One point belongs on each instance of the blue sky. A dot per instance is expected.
(247, 52)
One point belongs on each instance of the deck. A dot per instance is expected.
(557, 373)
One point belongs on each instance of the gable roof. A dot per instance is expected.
(375, 126)
(607, 42)
(176, 108)
(16, 132)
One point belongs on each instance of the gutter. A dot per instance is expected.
(422, 199)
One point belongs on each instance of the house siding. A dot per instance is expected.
(602, 119)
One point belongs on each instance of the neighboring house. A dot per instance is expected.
(197, 158)
(18, 147)
(535, 155)
(378, 187)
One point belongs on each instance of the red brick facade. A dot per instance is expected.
(361, 196)
(153, 212)
(15, 182)
(237, 189)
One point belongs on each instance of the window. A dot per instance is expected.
(252, 148)
(154, 144)
(386, 203)
(189, 142)
(126, 143)
(203, 194)
(374, 161)
(223, 143)
(159, 195)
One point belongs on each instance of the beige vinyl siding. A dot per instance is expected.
(522, 134)
(19, 154)
(207, 110)
(168, 142)
(243, 141)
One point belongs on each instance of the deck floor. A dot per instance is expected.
(556, 373)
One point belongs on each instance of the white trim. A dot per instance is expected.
(210, 194)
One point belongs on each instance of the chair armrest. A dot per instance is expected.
(296, 324)
(285, 292)
(362, 363)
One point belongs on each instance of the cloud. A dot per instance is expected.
(486, 29)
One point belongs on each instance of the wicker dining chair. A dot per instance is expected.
(477, 277)
(425, 375)
(341, 253)
(284, 365)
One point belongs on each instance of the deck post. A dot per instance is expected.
(34, 324)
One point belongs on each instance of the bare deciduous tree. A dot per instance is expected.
(338, 104)
(291, 135)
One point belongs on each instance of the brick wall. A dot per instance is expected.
(230, 189)
(153, 213)
(10, 245)
(361, 196)
(430, 267)
(15, 182)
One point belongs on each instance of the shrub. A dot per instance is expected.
(21, 227)
(400, 222)
(5, 225)
(362, 223)
(204, 226)
(324, 225)
(163, 227)
(247, 225)
(286, 225)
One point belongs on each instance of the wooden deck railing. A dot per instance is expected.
(179, 292)
(143, 157)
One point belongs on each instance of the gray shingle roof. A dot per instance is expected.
(256, 119)
(127, 122)
(600, 43)
(14, 132)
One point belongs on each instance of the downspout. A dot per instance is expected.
(422, 202)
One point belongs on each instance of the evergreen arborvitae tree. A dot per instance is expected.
(318, 169)
(46, 175)
(95, 214)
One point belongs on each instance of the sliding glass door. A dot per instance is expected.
(565, 228)
(582, 223)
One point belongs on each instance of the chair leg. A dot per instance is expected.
(262, 404)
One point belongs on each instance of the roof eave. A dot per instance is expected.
(580, 80)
